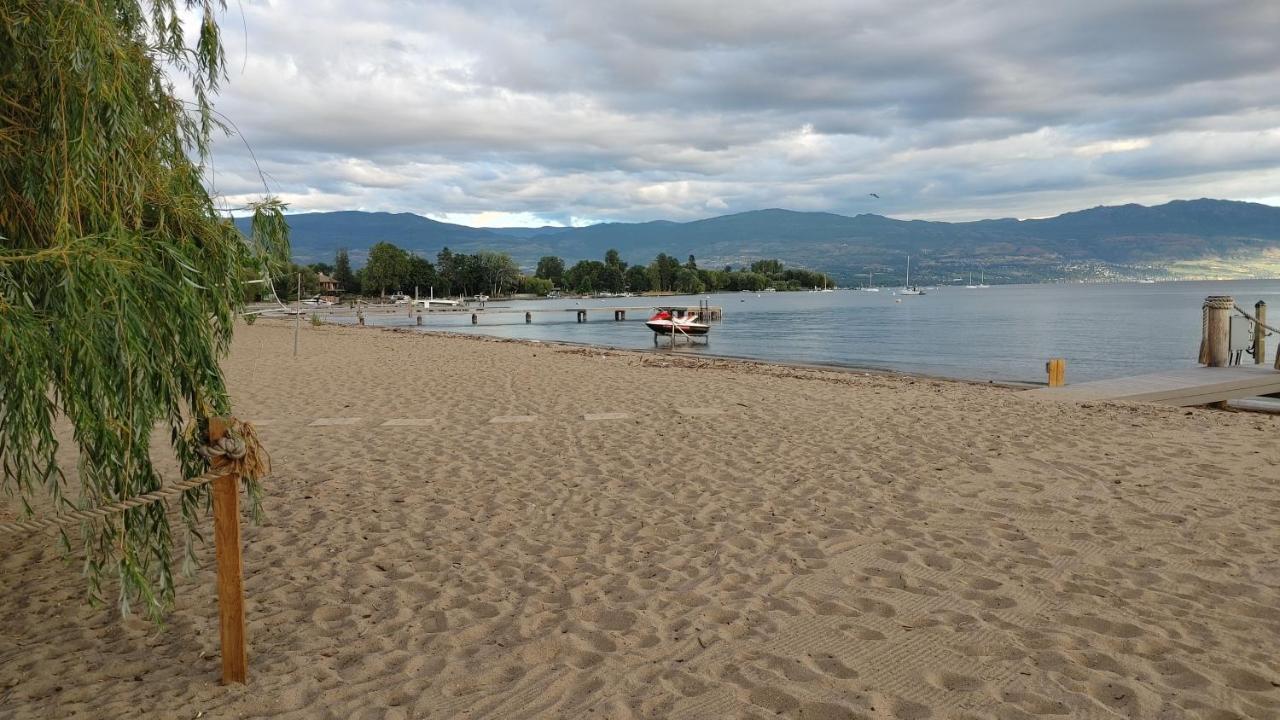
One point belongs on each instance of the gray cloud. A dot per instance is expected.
(629, 110)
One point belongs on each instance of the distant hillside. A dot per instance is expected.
(1184, 238)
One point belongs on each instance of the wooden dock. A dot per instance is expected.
(1190, 386)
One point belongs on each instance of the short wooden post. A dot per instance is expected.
(1057, 369)
(1216, 351)
(528, 318)
(226, 540)
(1259, 332)
(474, 319)
(419, 319)
(582, 316)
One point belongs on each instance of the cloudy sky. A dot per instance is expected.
(571, 112)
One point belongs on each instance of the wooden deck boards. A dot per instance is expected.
(1190, 386)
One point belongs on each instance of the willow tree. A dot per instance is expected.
(120, 278)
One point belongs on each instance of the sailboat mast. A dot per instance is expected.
(908, 272)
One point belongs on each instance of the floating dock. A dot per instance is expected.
(1190, 386)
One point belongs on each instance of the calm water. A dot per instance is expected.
(1004, 333)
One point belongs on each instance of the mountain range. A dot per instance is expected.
(1180, 239)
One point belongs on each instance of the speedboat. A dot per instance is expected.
(316, 301)
(677, 321)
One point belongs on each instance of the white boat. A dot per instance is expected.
(868, 288)
(908, 288)
(971, 286)
(317, 301)
(677, 321)
(1146, 281)
(982, 279)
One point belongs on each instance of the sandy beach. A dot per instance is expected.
(464, 528)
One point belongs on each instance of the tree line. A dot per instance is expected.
(391, 269)
(667, 274)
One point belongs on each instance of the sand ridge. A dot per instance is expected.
(804, 543)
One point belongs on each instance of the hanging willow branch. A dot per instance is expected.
(119, 279)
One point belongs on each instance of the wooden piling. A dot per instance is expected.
(475, 320)
(226, 539)
(528, 318)
(1216, 344)
(419, 319)
(1057, 369)
(1260, 333)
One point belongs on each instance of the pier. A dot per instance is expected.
(581, 313)
(1228, 334)
(1189, 386)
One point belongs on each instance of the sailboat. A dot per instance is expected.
(982, 279)
(869, 288)
(908, 288)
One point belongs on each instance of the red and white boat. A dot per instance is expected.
(677, 321)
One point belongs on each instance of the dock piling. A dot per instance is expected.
(1057, 369)
(1260, 333)
(528, 318)
(1215, 342)
(475, 319)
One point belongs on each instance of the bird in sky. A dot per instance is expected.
(874, 195)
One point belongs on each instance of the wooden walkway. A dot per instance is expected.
(1190, 386)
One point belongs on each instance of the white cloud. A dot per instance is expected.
(559, 111)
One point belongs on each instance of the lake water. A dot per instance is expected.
(1005, 332)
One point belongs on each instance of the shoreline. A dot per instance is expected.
(740, 359)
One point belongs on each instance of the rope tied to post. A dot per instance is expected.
(238, 452)
(1255, 320)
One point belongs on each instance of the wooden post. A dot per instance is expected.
(1057, 369)
(1259, 332)
(297, 317)
(419, 318)
(474, 319)
(1217, 335)
(226, 540)
(528, 318)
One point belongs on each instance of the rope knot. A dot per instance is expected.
(231, 447)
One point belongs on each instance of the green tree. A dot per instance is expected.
(637, 279)
(584, 276)
(614, 260)
(535, 286)
(550, 268)
(120, 279)
(320, 267)
(767, 267)
(420, 275)
(387, 268)
(664, 268)
(448, 272)
(612, 279)
(286, 282)
(498, 272)
(692, 264)
(688, 282)
(342, 271)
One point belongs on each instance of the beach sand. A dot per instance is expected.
(720, 539)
